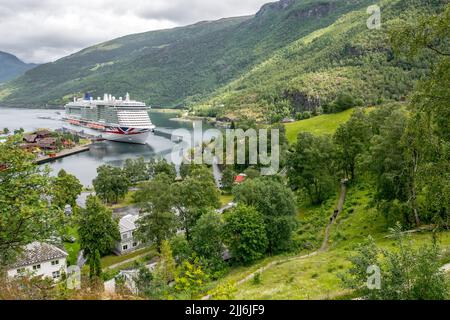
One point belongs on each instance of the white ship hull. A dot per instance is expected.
(140, 138)
(118, 134)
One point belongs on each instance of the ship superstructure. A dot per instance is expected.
(122, 120)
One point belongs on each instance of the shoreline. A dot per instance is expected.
(62, 154)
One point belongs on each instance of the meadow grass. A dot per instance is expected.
(110, 260)
(226, 199)
(320, 125)
(318, 277)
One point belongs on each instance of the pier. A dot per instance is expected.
(62, 154)
(167, 135)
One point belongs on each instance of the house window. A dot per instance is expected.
(55, 262)
(124, 236)
(125, 247)
(55, 274)
(36, 267)
(134, 244)
(20, 270)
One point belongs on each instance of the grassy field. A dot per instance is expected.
(72, 248)
(113, 259)
(317, 277)
(324, 124)
(225, 199)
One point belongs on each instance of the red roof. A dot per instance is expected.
(240, 178)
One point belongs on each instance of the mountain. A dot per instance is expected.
(12, 67)
(178, 66)
(342, 65)
(290, 59)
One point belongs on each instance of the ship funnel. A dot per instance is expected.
(105, 97)
(127, 97)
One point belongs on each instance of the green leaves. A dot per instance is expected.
(352, 140)
(244, 234)
(408, 273)
(98, 233)
(207, 239)
(276, 202)
(65, 189)
(26, 213)
(158, 221)
(311, 166)
(111, 184)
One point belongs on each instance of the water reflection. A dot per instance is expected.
(84, 165)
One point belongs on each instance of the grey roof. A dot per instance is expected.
(38, 252)
(128, 223)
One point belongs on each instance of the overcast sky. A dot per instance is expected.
(45, 30)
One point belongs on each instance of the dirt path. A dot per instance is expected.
(323, 248)
(337, 212)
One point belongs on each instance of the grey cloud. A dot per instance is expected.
(44, 30)
(183, 12)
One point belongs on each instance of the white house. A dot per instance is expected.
(40, 259)
(127, 227)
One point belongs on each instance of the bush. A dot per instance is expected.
(344, 102)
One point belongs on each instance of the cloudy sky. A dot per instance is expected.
(45, 30)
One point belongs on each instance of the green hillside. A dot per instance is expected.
(317, 277)
(11, 67)
(344, 63)
(181, 65)
(323, 124)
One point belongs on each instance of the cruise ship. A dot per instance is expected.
(121, 120)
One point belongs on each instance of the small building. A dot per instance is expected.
(29, 147)
(127, 243)
(40, 259)
(240, 178)
(30, 138)
(41, 134)
(47, 143)
(67, 143)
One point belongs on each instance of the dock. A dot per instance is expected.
(64, 153)
(170, 136)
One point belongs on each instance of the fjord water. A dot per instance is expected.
(84, 165)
